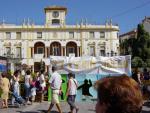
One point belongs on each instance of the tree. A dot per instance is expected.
(138, 47)
(142, 43)
(137, 62)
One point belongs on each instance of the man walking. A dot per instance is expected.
(55, 84)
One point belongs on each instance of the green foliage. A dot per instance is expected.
(9, 72)
(138, 47)
(33, 75)
(148, 62)
(137, 62)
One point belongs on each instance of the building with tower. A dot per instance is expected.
(30, 44)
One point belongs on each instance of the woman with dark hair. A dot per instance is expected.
(5, 85)
(27, 85)
(118, 94)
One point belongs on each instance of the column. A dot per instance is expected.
(32, 67)
(62, 51)
(45, 68)
(78, 51)
(48, 52)
(32, 52)
(45, 52)
(96, 49)
(64, 48)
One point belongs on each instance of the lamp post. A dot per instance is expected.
(9, 60)
(112, 53)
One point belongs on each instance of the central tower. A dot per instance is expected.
(55, 15)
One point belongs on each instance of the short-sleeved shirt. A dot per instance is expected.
(41, 78)
(73, 86)
(27, 78)
(55, 81)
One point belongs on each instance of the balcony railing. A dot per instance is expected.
(38, 56)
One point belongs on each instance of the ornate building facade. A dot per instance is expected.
(30, 44)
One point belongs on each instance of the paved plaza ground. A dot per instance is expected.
(42, 107)
(84, 107)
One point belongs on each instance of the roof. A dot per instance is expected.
(55, 8)
(133, 32)
(146, 19)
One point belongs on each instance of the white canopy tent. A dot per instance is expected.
(89, 64)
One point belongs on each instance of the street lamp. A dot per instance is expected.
(9, 57)
(108, 54)
(112, 53)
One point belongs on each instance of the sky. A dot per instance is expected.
(126, 13)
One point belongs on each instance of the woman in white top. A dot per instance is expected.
(27, 85)
(42, 80)
(15, 85)
(71, 92)
(42, 85)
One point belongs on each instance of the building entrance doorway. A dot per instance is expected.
(38, 66)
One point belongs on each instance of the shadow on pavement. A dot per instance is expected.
(27, 112)
(145, 111)
(45, 111)
(91, 110)
(146, 104)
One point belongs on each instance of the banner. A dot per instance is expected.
(96, 65)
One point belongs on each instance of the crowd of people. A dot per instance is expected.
(37, 84)
(32, 85)
(116, 94)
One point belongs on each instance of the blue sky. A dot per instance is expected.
(95, 11)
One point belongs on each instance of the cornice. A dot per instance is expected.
(58, 29)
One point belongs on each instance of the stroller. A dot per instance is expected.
(18, 99)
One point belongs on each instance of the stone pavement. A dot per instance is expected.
(84, 107)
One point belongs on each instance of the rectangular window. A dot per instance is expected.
(8, 51)
(18, 52)
(102, 52)
(92, 51)
(8, 35)
(39, 34)
(55, 22)
(18, 35)
(71, 49)
(71, 34)
(40, 50)
(56, 51)
(92, 34)
(102, 34)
